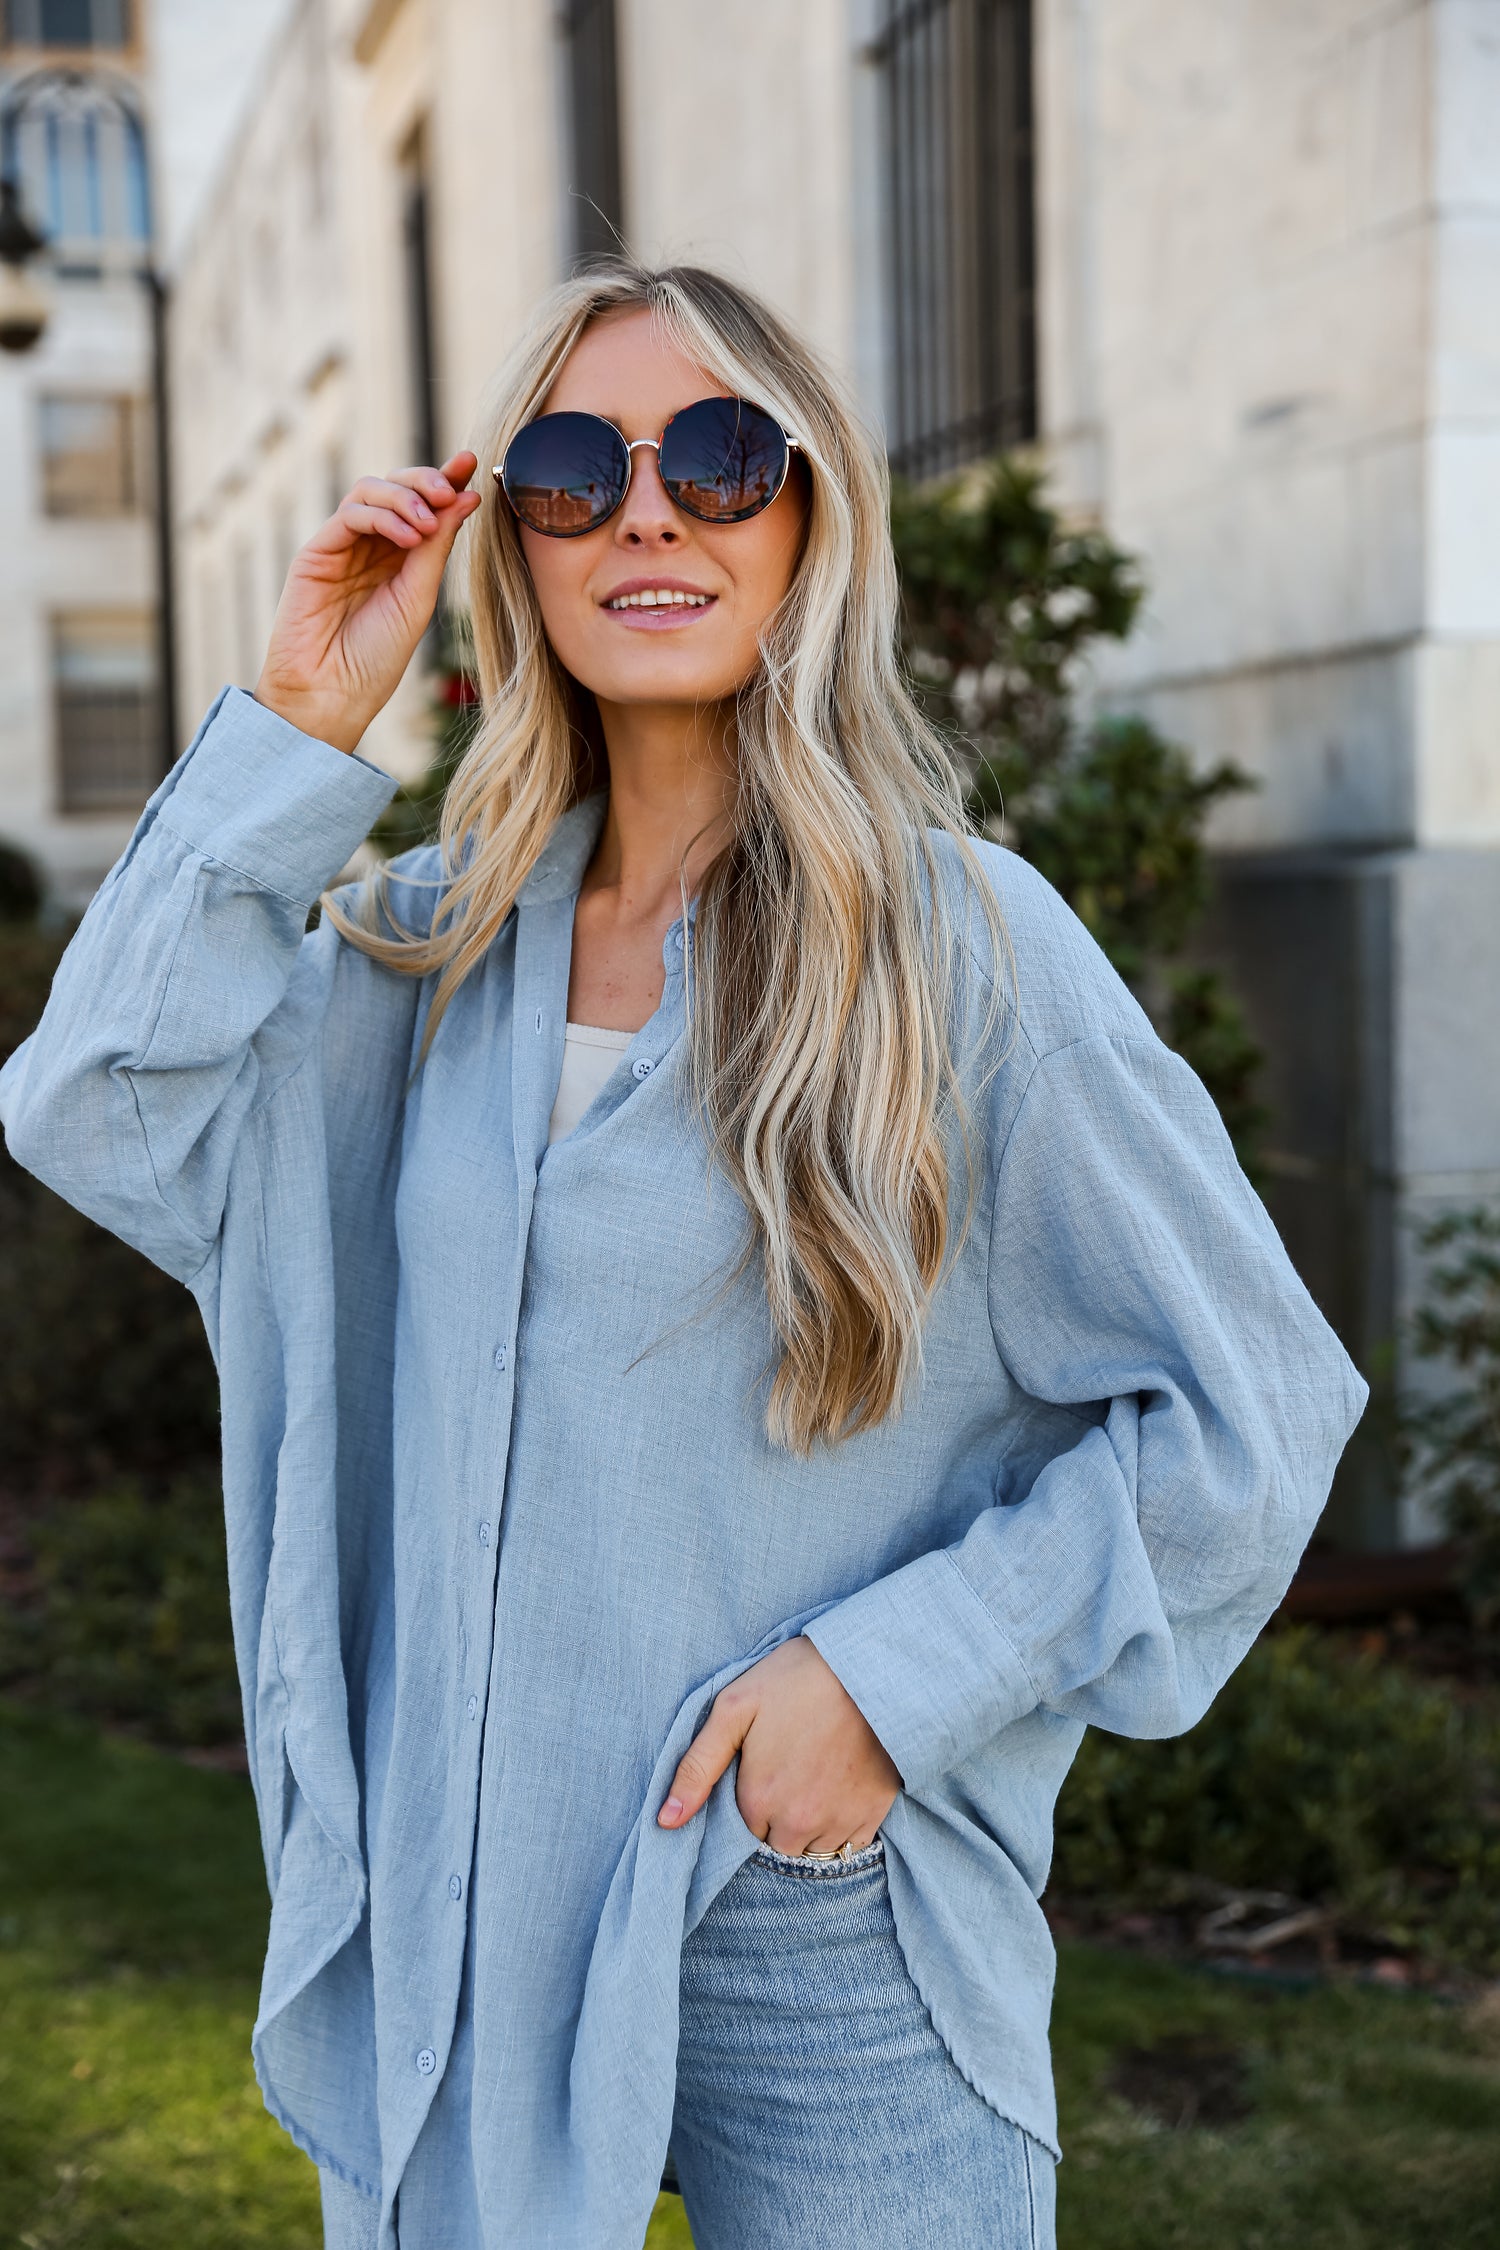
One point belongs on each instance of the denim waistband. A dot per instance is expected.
(789, 1864)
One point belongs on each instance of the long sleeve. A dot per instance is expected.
(170, 1012)
(1135, 1276)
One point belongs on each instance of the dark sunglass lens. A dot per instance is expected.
(564, 473)
(723, 459)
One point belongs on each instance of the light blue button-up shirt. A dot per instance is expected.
(502, 1513)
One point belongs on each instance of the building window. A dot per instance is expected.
(959, 226)
(82, 169)
(93, 454)
(67, 23)
(108, 719)
(416, 255)
(594, 197)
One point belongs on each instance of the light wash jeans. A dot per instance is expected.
(816, 2105)
(817, 2108)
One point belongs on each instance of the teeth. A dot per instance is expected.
(659, 597)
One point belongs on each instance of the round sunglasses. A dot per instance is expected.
(721, 460)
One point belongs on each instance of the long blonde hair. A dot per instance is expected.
(824, 968)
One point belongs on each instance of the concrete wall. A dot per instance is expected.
(1270, 256)
(739, 152)
(1271, 363)
(1236, 252)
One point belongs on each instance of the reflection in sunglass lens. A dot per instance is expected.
(723, 459)
(566, 472)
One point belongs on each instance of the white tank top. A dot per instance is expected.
(589, 1056)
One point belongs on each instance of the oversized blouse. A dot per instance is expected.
(503, 1516)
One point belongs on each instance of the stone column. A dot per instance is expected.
(1271, 320)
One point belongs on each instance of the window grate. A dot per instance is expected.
(95, 460)
(960, 229)
(67, 23)
(594, 190)
(108, 711)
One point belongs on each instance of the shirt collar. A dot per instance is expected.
(560, 864)
(559, 867)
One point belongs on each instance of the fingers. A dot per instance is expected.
(398, 497)
(396, 509)
(361, 520)
(708, 1757)
(438, 487)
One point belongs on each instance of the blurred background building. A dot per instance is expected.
(80, 731)
(1233, 270)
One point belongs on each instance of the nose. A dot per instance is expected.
(647, 517)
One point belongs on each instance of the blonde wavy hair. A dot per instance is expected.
(826, 977)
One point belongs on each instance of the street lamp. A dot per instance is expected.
(25, 309)
(23, 302)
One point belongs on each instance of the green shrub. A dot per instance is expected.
(1118, 827)
(104, 1365)
(127, 1616)
(1321, 1771)
(20, 885)
(1001, 604)
(1452, 1441)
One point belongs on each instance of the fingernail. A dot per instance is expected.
(672, 1808)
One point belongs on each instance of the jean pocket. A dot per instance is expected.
(816, 1869)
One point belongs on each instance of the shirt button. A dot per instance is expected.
(484, 1535)
(677, 937)
(455, 1886)
(501, 1356)
(426, 2062)
(642, 1067)
(473, 1706)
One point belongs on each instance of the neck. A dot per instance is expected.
(672, 786)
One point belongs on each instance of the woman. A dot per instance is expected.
(737, 1341)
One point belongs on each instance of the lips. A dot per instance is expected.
(657, 603)
(658, 597)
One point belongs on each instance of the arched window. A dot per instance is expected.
(82, 167)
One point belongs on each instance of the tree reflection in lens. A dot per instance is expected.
(565, 472)
(722, 459)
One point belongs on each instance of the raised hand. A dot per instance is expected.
(813, 1773)
(359, 596)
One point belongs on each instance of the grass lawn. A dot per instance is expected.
(132, 1912)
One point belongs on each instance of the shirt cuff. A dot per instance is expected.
(258, 795)
(929, 1668)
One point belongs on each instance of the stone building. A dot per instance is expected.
(1234, 270)
(1270, 348)
(80, 738)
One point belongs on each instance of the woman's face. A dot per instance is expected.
(623, 369)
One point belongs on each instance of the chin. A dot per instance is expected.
(660, 681)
